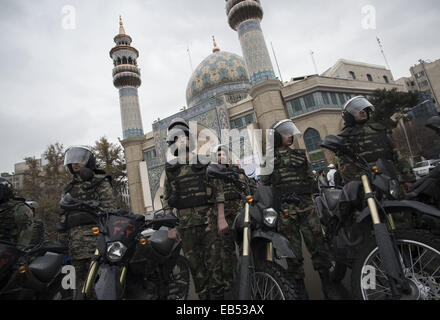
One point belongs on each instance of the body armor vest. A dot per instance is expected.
(291, 172)
(371, 142)
(190, 185)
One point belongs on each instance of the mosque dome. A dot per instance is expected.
(220, 73)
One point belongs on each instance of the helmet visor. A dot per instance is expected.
(357, 104)
(287, 128)
(77, 155)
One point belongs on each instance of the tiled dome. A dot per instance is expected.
(221, 72)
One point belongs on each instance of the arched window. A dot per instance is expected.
(124, 60)
(386, 79)
(369, 77)
(130, 61)
(119, 61)
(312, 140)
(353, 76)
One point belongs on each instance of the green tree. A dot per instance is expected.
(110, 157)
(388, 102)
(45, 184)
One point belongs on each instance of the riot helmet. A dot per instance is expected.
(6, 190)
(177, 129)
(353, 107)
(434, 124)
(284, 128)
(79, 154)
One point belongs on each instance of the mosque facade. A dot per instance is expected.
(227, 91)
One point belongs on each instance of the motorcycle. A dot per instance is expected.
(262, 250)
(31, 273)
(386, 263)
(129, 256)
(426, 190)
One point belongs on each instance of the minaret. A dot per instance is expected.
(127, 78)
(244, 16)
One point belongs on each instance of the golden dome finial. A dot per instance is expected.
(121, 26)
(216, 49)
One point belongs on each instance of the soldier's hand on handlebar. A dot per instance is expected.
(174, 234)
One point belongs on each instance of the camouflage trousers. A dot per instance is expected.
(197, 238)
(82, 245)
(303, 220)
(224, 258)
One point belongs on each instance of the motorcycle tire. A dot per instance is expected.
(271, 282)
(180, 280)
(416, 247)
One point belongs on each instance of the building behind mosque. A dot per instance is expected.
(227, 91)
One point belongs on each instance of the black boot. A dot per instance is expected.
(330, 290)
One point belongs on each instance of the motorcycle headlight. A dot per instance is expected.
(394, 189)
(270, 217)
(115, 251)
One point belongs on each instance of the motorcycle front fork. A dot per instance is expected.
(391, 260)
(91, 276)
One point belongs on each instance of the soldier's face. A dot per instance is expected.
(77, 166)
(222, 157)
(287, 140)
(361, 116)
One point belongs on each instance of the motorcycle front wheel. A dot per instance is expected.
(180, 280)
(271, 282)
(419, 255)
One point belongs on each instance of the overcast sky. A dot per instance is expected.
(56, 83)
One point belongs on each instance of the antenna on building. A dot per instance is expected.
(190, 61)
(276, 60)
(314, 62)
(383, 53)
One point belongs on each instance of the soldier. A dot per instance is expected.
(200, 208)
(16, 217)
(292, 174)
(88, 183)
(370, 140)
(225, 259)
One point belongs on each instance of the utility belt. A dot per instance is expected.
(298, 190)
(232, 196)
(78, 219)
(189, 211)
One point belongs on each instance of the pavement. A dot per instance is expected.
(312, 281)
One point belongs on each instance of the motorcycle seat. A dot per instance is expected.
(332, 197)
(46, 267)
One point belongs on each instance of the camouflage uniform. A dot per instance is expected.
(292, 174)
(372, 142)
(225, 259)
(188, 189)
(80, 239)
(16, 223)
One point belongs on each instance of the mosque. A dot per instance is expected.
(227, 91)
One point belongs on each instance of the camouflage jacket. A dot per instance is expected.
(372, 141)
(188, 186)
(291, 172)
(16, 223)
